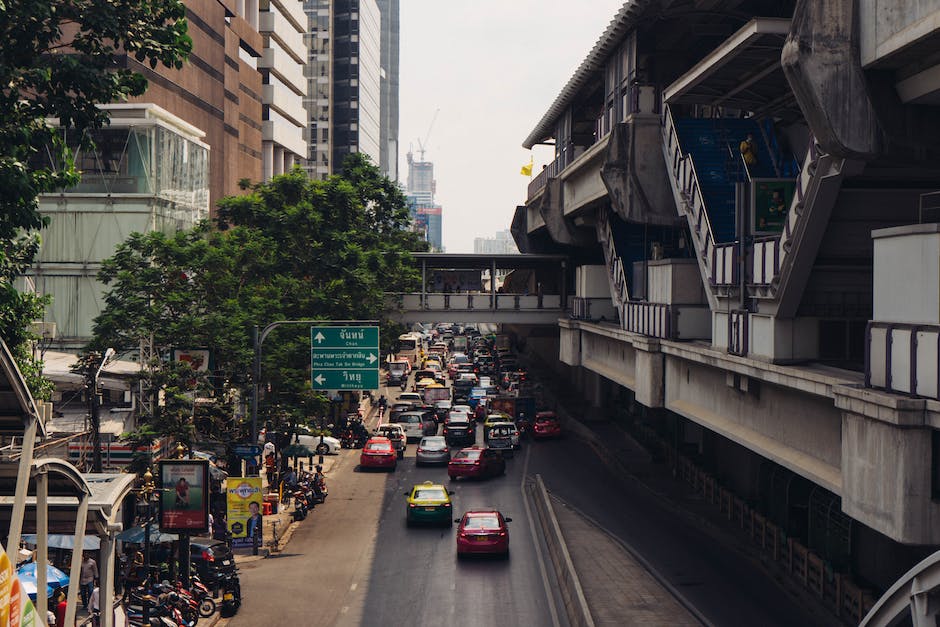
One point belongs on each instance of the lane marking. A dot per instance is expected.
(344, 609)
(353, 586)
(538, 549)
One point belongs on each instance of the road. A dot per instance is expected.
(355, 562)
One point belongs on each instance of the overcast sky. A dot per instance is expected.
(492, 67)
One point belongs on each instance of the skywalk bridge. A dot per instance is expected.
(528, 289)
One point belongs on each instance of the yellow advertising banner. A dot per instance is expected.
(244, 509)
(16, 609)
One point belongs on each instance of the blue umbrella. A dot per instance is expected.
(54, 577)
(29, 587)
(57, 541)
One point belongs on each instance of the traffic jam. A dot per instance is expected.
(463, 400)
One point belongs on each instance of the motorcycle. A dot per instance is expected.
(204, 598)
(231, 595)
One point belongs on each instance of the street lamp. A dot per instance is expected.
(147, 490)
(95, 419)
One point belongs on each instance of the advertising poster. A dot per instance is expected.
(244, 509)
(184, 499)
(771, 202)
(16, 608)
(198, 359)
(454, 281)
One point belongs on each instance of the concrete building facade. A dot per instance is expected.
(319, 73)
(391, 29)
(283, 27)
(752, 190)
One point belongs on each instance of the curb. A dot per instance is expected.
(576, 606)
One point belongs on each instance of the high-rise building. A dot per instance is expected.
(501, 244)
(283, 25)
(419, 192)
(319, 73)
(352, 83)
(391, 27)
(356, 115)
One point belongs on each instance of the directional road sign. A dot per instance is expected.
(344, 358)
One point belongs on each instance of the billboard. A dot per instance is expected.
(770, 204)
(452, 281)
(184, 497)
(243, 500)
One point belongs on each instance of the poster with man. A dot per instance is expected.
(184, 497)
(770, 202)
(243, 496)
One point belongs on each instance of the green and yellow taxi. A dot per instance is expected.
(429, 503)
(492, 419)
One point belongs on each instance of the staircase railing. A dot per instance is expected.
(616, 276)
(718, 258)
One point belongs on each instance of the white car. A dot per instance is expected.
(464, 408)
(410, 397)
(329, 446)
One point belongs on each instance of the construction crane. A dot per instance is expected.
(422, 145)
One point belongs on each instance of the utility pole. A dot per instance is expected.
(93, 406)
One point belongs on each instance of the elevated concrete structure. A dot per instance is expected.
(753, 325)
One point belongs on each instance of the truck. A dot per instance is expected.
(503, 341)
(460, 344)
(514, 406)
(434, 393)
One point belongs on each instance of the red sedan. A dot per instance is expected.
(378, 453)
(546, 425)
(483, 532)
(476, 461)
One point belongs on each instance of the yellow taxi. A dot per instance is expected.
(429, 503)
(492, 419)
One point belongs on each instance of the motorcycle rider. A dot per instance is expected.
(382, 405)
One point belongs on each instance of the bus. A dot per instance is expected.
(408, 346)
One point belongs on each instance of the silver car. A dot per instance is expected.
(432, 449)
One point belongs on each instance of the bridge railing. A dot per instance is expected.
(474, 301)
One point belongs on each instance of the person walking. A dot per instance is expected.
(86, 581)
(749, 150)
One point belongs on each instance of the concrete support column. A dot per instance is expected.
(278, 160)
(106, 576)
(267, 158)
(75, 568)
(650, 385)
(42, 551)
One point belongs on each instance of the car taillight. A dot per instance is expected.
(446, 504)
(502, 534)
(411, 504)
(208, 556)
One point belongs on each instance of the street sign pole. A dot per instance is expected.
(259, 338)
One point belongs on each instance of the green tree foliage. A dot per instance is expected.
(290, 249)
(59, 59)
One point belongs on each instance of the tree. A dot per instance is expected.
(289, 249)
(59, 59)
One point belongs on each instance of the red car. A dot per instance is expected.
(476, 461)
(546, 425)
(378, 453)
(483, 532)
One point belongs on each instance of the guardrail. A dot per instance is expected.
(651, 319)
(738, 332)
(616, 275)
(475, 301)
(903, 358)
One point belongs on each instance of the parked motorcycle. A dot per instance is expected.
(231, 595)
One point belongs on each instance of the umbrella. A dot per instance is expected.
(29, 587)
(135, 535)
(59, 541)
(54, 577)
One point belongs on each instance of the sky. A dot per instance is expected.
(492, 68)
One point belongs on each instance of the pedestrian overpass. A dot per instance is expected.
(529, 289)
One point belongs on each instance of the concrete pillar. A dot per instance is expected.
(106, 577)
(267, 157)
(42, 550)
(76, 565)
(650, 386)
(278, 160)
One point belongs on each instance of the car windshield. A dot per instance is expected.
(379, 446)
(436, 443)
(458, 422)
(467, 455)
(545, 419)
(391, 434)
(487, 523)
(500, 432)
(430, 493)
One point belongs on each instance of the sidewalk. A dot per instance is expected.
(604, 566)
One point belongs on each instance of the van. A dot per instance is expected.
(413, 424)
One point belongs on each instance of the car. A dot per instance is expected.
(467, 376)
(410, 397)
(442, 408)
(432, 449)
(462, 408)
(492, 419)
(395, 433)
(476, 461)
(412, 422)
(483, 532)
(329, 445)
(378, 453)
(504, 437)
(458, 429)
(211, 558)
(546, 425)
(429, 503)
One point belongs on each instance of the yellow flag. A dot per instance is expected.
(527, 168)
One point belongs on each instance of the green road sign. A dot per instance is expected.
(344, 358)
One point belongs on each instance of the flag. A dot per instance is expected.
(527, 168)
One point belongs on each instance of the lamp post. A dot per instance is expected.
(95, 418)
(147, 490)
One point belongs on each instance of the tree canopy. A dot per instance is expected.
(58, 60)
(290, 249)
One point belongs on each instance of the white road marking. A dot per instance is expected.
(353, 586)
(535, 541)
(344, 609)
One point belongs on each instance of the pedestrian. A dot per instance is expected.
(89, 574)
(749, 150)
(61, 606)
(270, 469)
(95, 608)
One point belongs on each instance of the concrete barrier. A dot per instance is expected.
(576, 606)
